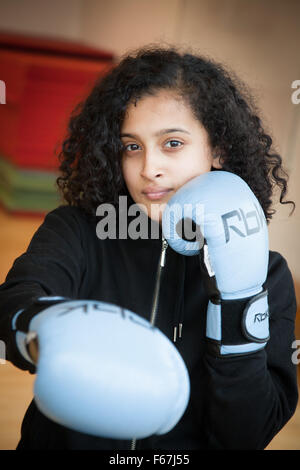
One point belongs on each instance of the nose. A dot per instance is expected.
(152, 166)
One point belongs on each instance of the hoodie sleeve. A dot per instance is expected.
(52, 265)
(250, 398)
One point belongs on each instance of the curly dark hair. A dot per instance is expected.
(90, 159)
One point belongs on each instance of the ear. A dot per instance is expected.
(216, 162)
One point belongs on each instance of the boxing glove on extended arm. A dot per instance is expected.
(231, 239)
(102, 369)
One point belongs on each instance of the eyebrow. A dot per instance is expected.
(159, 133)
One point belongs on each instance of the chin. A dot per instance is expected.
(155, 211)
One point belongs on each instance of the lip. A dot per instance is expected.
(156, 192)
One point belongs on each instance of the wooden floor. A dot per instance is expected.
(16, 385)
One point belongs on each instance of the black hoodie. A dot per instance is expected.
(236, 402)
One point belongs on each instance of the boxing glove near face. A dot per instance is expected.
(230, 237)
(105, 371)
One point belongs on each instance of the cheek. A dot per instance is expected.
(125, 170)
(129, 174)
(193, 166)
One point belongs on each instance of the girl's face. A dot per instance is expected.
(164, 147)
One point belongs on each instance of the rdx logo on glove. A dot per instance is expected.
(261, 316)
(245, 220)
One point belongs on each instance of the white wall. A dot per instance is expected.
(57, 18)
(256, 38)
(121, 25)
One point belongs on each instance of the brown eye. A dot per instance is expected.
(173, 143)
(131, 147)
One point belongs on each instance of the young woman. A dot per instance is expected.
(159, 119)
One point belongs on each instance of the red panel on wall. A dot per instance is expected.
(41, 92)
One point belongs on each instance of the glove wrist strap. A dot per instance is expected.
(239, 326)
(22, 318)
(21, 321)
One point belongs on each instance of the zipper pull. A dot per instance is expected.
(163, 254)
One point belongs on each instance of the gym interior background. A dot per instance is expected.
(258, 39)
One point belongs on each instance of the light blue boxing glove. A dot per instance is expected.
(103, 370)
(217, 217)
